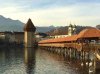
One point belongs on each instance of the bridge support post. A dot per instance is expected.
(65, 51)
(70, 52)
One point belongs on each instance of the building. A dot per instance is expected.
(7, 37)
(19, 37)
(12, 37)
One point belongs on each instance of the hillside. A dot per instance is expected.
(58, 31)
(44, 29)
(7, 24)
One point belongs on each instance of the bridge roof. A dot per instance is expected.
(88, 33)
(65, 39)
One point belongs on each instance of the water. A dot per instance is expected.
(28, 61)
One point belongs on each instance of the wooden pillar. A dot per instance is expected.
(75, 53)
(58, 51)
(94, 61)
(84, 55)
(55, 48)
(70, 54)
(61, 51)
(79, 55)
(65, 52)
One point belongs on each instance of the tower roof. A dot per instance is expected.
(29, 26)
(70, 25)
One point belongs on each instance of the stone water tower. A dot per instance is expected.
(29, 37)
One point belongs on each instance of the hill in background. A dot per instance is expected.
(7, 24)
(64, 30)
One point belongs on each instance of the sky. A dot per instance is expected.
(53, 12)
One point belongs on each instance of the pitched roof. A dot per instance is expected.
(87, 33)
(29, 26)
(65, 39)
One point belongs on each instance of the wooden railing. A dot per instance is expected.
(78, 46)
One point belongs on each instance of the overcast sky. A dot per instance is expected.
(53, 12)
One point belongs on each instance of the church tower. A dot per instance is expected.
(74, 29)
(70, 29)
(29, 31)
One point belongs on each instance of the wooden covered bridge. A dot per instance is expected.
(82, 45)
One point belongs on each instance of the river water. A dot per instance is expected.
(37, 61)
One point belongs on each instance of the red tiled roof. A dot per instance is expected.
(87, 33)
(66, 39)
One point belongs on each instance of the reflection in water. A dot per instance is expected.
(11, 61)
(30, 60)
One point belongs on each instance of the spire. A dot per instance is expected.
(70, 25)
(29, 26)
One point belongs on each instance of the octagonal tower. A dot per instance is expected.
(29, 37)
